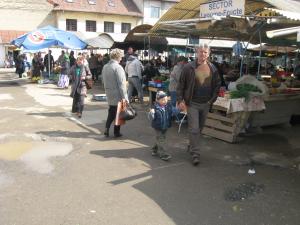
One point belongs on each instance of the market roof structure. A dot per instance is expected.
(138, 38)
(183, 20)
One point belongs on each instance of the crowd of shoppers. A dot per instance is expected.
(193, 88)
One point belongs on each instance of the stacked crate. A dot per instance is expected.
(225, 126)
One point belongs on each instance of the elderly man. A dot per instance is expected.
(134, 69)
(197, 90)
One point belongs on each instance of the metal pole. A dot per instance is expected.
(260, 50)
(49, 61)
(149, 47)
(187, 40)
(242, 61)
(144, 50)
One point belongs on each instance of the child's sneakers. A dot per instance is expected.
(165, 157)
(162, 156)
(154, 150)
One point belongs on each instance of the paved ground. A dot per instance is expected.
(58, 170)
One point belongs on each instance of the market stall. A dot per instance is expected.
(252, 22)
(250, 104)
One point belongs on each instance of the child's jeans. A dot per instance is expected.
(160, 145)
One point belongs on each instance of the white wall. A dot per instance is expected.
(25, 16)
(99, 18)
(163, 5)
(147, 11)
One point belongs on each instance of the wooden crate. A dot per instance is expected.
(225, 127)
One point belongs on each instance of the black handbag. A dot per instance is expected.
(127, 113)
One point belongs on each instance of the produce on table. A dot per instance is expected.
(243, 91)
(159, 78)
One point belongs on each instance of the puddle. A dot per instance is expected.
(14, 150)
(35, 155)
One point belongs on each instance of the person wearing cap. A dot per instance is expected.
(197, 90)
(160, 116)
(174, 78)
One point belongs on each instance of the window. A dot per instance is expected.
(71, 24)
(126, 27)
(109, 27)
(155, 12)
(92, 2)
(90, 26)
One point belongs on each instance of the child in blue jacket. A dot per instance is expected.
(161, 119)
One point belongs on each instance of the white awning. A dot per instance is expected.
(212, 43)
(103, 41)
(118, 37)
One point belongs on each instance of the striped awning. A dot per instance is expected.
(288, 14)
(183, 21)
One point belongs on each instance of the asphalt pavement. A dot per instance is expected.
(57, 169)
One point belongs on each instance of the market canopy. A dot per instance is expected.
(47, 37)
(138, 38)
(275, 49)
(103, 41)
(183, 20)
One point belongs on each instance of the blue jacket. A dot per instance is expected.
(162, 118)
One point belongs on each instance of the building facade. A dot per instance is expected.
(89, 18)
(20, 16)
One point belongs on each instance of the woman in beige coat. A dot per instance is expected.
(114, 80)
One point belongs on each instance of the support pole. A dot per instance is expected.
(185, 52)
(259, 61)
(49, 61)
(244, 52)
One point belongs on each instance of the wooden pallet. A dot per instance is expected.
(225, 127)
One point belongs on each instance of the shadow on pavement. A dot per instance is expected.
(198, 195)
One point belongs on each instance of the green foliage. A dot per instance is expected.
(162, 78)
(243, 91)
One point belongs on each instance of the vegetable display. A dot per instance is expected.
(243, 91)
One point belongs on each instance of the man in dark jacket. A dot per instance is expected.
(197, 90)
(49, 67)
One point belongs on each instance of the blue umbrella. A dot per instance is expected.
(47, 37)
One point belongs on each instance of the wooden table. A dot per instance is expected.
(279, 109)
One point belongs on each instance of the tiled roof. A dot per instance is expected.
(6, 36)
(119, 7)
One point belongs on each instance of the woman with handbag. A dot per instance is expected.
(114, 80)
(79, 90)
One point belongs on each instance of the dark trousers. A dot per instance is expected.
(112, 111)
(78, 103)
